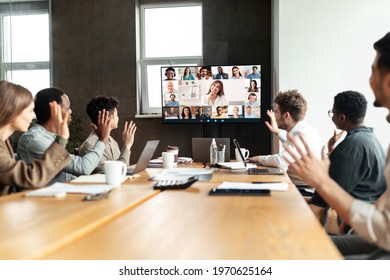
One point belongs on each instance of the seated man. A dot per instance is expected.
(357, 163)
(172, 102)
(33, 144)
(369, 221)
(111, 151)
(290, 110)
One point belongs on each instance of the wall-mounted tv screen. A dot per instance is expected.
(211, 94)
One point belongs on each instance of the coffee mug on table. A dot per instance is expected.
(168, 160)
(245, 154)
(174, 150)
(115, 171)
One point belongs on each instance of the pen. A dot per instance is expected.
(99, 196)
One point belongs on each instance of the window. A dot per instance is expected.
(25, 57)
(170, 34)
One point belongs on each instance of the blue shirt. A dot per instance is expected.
(171, 103)
(254, 76)
(33, 144)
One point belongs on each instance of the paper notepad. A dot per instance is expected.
(235, 165)
(95, 179)
(59, 189)
(257, 186)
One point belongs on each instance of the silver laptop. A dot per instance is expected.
(201, 148)
(258, 171)
(144, 158)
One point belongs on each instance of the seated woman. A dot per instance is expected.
(253, 86)
(236, 73)
(187, 74)
(17, 112)
(215, 95)
(186, 113)
(236, 111)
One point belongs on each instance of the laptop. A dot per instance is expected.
(257, 171)
(201, 148)
(237, 165)
(144, 158)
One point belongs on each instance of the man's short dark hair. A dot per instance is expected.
(254, 67)
(352, 104)
(99, 103)
(293, 102)
(382, 46)
(42, 100)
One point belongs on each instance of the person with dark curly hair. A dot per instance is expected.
(111, 151)
(357, 162)
(288, 118)
(370, 221)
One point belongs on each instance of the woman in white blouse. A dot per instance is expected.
(216, 95)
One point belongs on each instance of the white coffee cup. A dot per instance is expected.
(168, 160)
(245, 154)
(115, 171)
(174, 150)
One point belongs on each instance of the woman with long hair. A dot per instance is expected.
(253, 86)
(236, 73)
(186, 113)
(16, 114)
(187, 74)
(216, 95)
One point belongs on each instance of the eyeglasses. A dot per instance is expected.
(330, 113)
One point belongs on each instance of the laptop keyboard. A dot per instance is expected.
(255, 171)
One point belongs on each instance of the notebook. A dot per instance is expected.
(144, 158)
(237, 164)
(252, 170)
(201, 148)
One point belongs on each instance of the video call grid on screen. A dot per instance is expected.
(194, 96)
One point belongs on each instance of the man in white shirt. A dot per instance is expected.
(370, 222)
(288, 118)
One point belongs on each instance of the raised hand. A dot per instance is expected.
(128, 134)
(103, 128)
(312, 170)
(272, 126)
(332, 141)
(61, 123)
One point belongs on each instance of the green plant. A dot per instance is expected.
(75, 129)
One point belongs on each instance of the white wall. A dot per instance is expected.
(325, 47)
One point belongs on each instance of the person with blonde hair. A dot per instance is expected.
(16, 114)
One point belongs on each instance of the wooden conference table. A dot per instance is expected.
(137, 222)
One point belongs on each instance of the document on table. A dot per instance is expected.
(202, 174)
(278, 186)
(59, 189)
(97, 178)
(235, 165)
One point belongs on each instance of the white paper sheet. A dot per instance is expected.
(96, 178)
(60, 188)
(279, 186)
